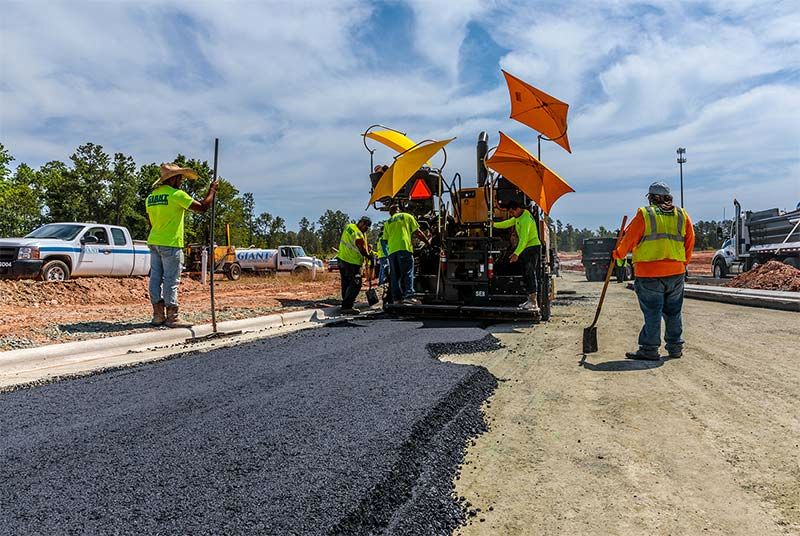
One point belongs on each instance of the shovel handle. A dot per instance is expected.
(610, 270)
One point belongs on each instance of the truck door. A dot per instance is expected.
(95, 257)
(121, 252)
(285, 259)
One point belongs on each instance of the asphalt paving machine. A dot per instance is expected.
(466, 271)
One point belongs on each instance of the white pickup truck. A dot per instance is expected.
(58, 251)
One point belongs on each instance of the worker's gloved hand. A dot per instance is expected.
(620, 263)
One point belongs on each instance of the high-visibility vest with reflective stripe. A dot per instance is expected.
(379, 251)
(348, 251)
(663, 236)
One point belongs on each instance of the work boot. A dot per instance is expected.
(349, 311)
(174, 319)
(531, 304)
(159, 314)
(638, 354)
(411, 301)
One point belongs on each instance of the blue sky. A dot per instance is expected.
(289, 86)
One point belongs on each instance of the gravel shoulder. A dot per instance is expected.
(707, 444)
(36, 313)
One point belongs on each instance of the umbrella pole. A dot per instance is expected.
(539, 145)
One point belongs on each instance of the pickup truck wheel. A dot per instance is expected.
(720, 269)
(54, 271)
(233, 272)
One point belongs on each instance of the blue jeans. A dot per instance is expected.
(383, 270)
(660, 297)
(165, 274)
(401, 275)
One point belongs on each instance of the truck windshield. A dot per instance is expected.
(58, 231)
(298, 251)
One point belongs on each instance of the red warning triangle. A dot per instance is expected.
(420, 190)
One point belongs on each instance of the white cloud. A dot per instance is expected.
(285, 88)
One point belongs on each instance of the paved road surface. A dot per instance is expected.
(349, 429)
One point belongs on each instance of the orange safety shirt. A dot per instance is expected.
(662, 268)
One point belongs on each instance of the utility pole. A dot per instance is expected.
(681, 160)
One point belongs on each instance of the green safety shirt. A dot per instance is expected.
(663, 237)
(379, 254)
(165, 208)
(348, 250)
(397, 232)
(526, 230)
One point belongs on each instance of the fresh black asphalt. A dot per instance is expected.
(352, 428)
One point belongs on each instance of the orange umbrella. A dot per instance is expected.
(538, 110)
(535, 179)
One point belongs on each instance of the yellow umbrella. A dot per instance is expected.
(392, 139)
(403, 168)
(527, 173)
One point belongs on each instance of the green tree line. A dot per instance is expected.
(96, 186)
(571, 238)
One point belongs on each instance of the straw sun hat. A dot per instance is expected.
(170, 170)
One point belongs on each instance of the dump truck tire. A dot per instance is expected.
(720, 270)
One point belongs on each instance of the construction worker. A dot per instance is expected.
(166, 206)
(353, 250)
(397, 232)
(382, 258)
(527, 251)
(661, 237)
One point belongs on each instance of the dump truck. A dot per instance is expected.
(596, 256)
(757, 237)
(466, 271)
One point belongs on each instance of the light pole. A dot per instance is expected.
(681, 160)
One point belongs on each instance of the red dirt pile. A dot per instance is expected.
(86, 291)
(773, 275)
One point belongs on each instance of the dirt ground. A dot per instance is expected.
(36, 313)
(706, 444)
(700, 264)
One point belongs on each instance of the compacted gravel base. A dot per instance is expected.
(347, 429)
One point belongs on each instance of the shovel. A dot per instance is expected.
(372, 295)
(590, 333)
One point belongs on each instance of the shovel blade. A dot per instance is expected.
(372, 297)
(589, 340)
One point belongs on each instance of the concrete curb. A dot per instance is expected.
(113, 346)
(765, 299)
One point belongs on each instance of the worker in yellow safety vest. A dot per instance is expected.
(397, 232)
(382, 258)
(353, 250)
(527, 251)
(661, 237)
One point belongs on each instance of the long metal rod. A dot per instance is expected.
(212, 241)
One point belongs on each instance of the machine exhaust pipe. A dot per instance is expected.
(483, 148)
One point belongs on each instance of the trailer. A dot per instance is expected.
(466, 272)
(757, 237)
